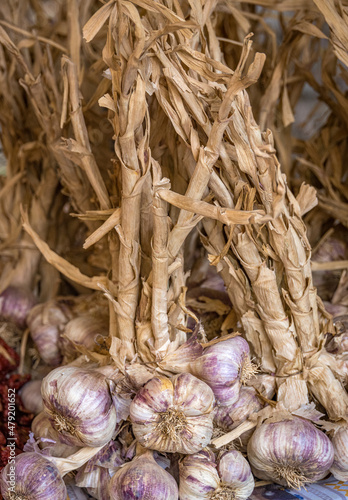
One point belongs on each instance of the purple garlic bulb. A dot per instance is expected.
(30, 476)
(79, 406)
(290, 452)
(142, 478)
(224, 366)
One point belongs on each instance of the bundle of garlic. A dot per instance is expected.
(161, 158)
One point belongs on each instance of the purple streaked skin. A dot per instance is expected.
(296, 443)
(192, 482)
(192, 399)
(229, 417)
(143, 479)
(233, 467)
(36, 478)
(220, 366)
(91, 410)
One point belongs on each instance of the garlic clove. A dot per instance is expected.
(173, 415)
(290, 452)
(79, 406)
(143, 478)
(32, 477)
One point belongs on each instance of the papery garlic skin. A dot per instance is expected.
(79, 406)
(198, 476)
(97, 472)
(30, 395)
(235, 473)
(173, 415)
(34, 478)
(43, 431)
(142, 478)
(224, 366)
(290, 452)
(339, 467)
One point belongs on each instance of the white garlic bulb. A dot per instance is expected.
(224, 367)
(229, 417)
(83, 330)
(79, 406)
(143, 478)
(291, 452)
(173, 415)
(235, 475)
(30, 395)
(339, 467)
(200, 478)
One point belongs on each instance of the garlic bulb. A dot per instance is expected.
(173, 415)
(30, 476)
(31, 398)
(339, 467)
(235, 475)
(49, 437)
(227, 418)
(200, 478)
(143, 478)
(46, 322)
(79, 406)
(15, 304)
(290, 452)
(224, 366)
(82, 330)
